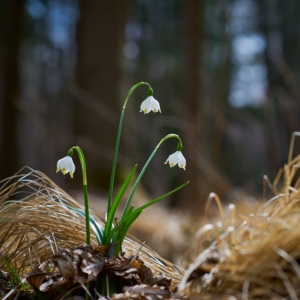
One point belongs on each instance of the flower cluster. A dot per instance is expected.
(112, 233)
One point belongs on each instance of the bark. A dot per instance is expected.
(12, 22)
(100, 35)
(193, 35)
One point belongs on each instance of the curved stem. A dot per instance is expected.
(113, 170)
(169, 136)
(133, 89)
(85, 192)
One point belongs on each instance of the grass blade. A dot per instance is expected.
(15, 275)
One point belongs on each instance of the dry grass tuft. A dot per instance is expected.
(252, 256)
(34, 225)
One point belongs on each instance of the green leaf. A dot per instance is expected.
(128, 216)
(16, 276)
(124, 229)
(159, 198)
(128, 223)
(114, 205)
(112, 232)
(137, 182)
(128, 212)
(132, 212)
(131, 215)
(113, 169)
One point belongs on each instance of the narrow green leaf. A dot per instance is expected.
(159, 198)
(124, 229)
(118, 238)
(128, 212)
(125, 219)
(127, 225)
(16, 276)
(113, 169)
(114, 205)
(112, 232)
(137, 182)
(132, 213)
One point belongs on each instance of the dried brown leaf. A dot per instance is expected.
(36, 277)
(64, 262)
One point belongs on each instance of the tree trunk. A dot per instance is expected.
(12, 18)
(100, 32)
(193, 33)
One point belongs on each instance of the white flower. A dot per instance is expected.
(150, 104)
(66, 165)
(177, 158)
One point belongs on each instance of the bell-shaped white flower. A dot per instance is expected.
(66, 165)
(177, 158)
(150, 104)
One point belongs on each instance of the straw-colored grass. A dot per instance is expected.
(252, 256)
(34, 225)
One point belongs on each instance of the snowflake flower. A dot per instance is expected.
(66, 165)
(177, 158)
(150, 104)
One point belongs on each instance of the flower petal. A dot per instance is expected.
(173, 159)
(181, 161)
(155, 105)
(146, 105)
(59, 164)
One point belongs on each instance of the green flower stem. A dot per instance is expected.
(169, 136)
(85, 192)
(113, 171)
(87, 215)
(133, 89)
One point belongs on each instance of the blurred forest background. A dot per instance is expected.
(226, 74)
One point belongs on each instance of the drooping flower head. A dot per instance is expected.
(150, 103)
(66, 165)
(176, 158)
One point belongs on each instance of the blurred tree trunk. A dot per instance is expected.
(11, 23)
(100, 33)
(222, 84)
(283, 108)
(193, 41)
(274, 81)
